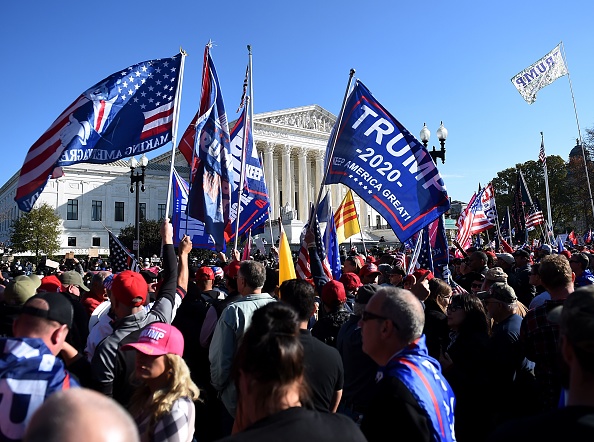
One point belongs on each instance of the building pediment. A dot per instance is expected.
(308, 118)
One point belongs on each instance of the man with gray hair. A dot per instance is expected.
(410, 383)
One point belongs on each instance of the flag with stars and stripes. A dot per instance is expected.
(302, 266)
(128, 113)
(535, 216)
(119, 256)
(425, 259)
(541, 155)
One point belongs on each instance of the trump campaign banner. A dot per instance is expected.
(540, 74)
(128, 113)
(386, 166)
(184, 224)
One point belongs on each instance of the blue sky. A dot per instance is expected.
(425, 61)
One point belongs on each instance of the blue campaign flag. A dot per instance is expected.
(425, 260)
(254, 195)
(128, 113)
(439, 246)
(184, 225)
(332, 249)
(386, 166)
(324, 207)
(212, 174)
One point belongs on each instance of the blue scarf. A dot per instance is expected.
(421, 374)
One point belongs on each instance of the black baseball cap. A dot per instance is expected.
(60, 309)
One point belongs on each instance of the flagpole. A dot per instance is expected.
(242, 171)
(177, 102)
(546, 175)
(579, 131)
(509, 226)
(360, 229)
(334, 137)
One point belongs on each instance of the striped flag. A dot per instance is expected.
(474, 220)
(535, 216)
(129, 111)
(400, 259)
(120, 257)
(542, 156)
(302, 266)
(345, 219)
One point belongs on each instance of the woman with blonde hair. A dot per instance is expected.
(163, 403)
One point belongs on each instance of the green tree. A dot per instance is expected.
(559, 189)
(37, 231)
(150, 237)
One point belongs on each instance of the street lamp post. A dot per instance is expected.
(442, 134)
(137, 178)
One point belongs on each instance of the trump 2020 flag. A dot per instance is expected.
(184, 224)
(386, 166)
(210, 162)
(128, 113)
(540, 74)
(254, 195)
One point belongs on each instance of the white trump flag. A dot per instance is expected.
(540, 74)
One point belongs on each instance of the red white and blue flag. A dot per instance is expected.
(254, 195)
(128, 113)
(474, 220)
(120, 257)
(205, 145)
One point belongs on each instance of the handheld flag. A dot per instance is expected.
(540, 74)
(332, 249)
(120, 257)
(247, 247)
(535, 216)
(254, 195)
(128, 112)
(286, 268)
(345, 219)
(209, 158)
(385, 165)
(182, 223)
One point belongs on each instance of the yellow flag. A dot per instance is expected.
(345, 219)
(286, 268)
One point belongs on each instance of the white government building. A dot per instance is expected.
(292, 143)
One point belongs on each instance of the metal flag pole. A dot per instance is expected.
(546, 175)
(579, 131)
(334, 137)
(509, 227)
(177, 102)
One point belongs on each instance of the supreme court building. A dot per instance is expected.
(292, 144)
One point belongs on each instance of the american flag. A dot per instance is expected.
(129, 112)
(542, 156)
(425, 260)
(302, 267)
(474, 219)
(400, 259)
(119, 256)
(535, 216)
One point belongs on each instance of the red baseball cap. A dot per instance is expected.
(232, 269)
(350, 280)
(129, 288)
(50, 283)
(333, 293)
(158, 339)
(204, 274)
(423, 273)
(369, 269)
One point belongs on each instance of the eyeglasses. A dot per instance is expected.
(366, 316)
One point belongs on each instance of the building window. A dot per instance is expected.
(96, 211)
(72, 210)
(96, 241)
(161, 210)
(72, 241)
(142, 211)
(119, 211)
(378, 222)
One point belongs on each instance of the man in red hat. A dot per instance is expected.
(369, 274)
(110, 368)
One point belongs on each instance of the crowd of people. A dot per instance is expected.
(502, 349)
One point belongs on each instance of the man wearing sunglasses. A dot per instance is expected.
(410, 386)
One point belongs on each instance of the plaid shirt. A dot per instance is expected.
(540, 339)
(176, 426)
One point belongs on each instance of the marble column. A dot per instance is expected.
(319, 168)
(303, 187)
(287, 176)
(269, 174)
